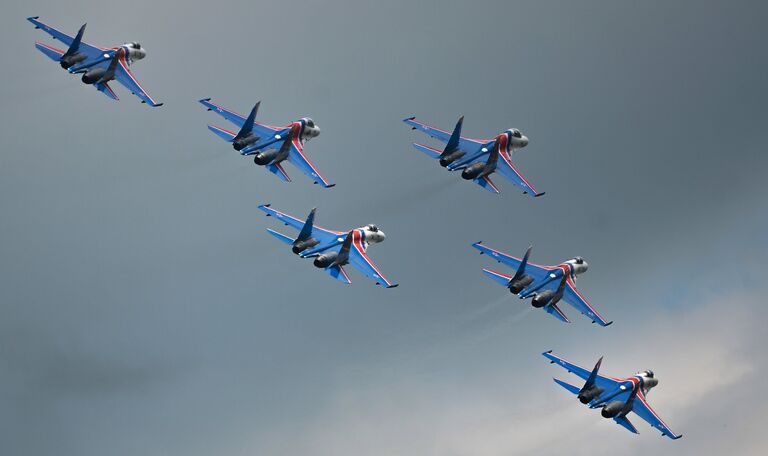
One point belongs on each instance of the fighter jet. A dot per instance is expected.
(332, 250)
(477, 158)
(616, 397)
(547, 285)
(98, 65)
(270, 146)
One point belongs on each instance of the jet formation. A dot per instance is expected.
(331, 251)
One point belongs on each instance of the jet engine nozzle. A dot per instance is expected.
(325, 260)
(612, 409)
(300, 246)
(265, 158)
(93, 75)
(68, 61)
(542, 299)
(243, 142)
(518, 285)
(472, 172)
(586, 396)
(451, 157)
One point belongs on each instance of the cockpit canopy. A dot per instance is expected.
(516, 133)
(579, 260)
(648, 373)
(310, 123)
(373, 228)
(135, 45)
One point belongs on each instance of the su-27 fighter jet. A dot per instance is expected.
(477, 158)
(547, 285)
(98, 65)
(270, 146)
(615, 396)
(332, 250)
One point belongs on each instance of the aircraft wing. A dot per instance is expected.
(466, 144)
(607, 383)
(536, 271)
(261, 130)
(321, 234)
(572, 296)
(360, 260)
(298, 159)
(86, 49)
(643, 410)
(125, 76)
(506, 168)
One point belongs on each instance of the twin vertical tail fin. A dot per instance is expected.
(343, 257)
(247, 127)
(521, 269)
(560, 290)
(75, 46)
(110, 74)
(306, 230)
(453, 142)
(493, 158)
(592, 376)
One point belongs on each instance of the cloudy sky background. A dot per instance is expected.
(145, 310)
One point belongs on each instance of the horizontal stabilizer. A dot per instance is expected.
(337, 272)
(497, 277)
(434, 153)
(487, 184)
(52, 52)
(626, 424)
(568, 386)
(555, 311)
(226, 135)
(286, 239)
(278, 170)
(104, 88)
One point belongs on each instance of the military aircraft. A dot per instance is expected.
(270, 146)
(547, 285)
(98, 65)
(477, 158)
(332, 250)
(615, 396)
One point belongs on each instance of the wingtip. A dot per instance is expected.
(608, 324)
(33, 18)
(539, 194)
(394, 285)
(157, 105)
(203, 100)
(409, 118)
(329, 185)
(547, 352)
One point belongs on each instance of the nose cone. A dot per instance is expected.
(586, 265)
(524, 141)
(382, 236)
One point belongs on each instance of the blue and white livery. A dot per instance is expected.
(546, 285)
(616, 397)
(270, 146)
(98, 65)
(477, 158)
(332, 250)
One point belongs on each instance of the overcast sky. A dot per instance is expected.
(145, 310)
